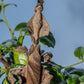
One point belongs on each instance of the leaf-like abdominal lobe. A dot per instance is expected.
(44, 30)
(34, 67)
(38, 26)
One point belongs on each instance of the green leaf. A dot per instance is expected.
(2, 0)
(16, 65)
(66, 74)
(69, 81)
(5, 81)
(73, 79)
(79, 52)
(10, 43)
(26, 32)
(48, 40)
(79, 72)
(57, 76)
(57, 66)
(11, 55)
(1, 20)
(72, 70)
(22, 26)
(4, 49)
(71, 75)
(42, 52)
(17, 82)
(9, 4)
(20, 40)
(20, 58)
(2, 71)
(81, 79)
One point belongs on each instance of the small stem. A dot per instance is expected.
(74, 64)
(20, 32)
(6, 64)
(12, 32)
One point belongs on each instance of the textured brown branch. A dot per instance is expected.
(3, 61)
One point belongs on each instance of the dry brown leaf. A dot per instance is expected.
(46, 77)
(45, 28)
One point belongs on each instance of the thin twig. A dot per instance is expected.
(6, 64)
(3, 11)
(74, 64)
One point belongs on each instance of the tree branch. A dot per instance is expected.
(74, 64)
(6, 64)
(12, 32)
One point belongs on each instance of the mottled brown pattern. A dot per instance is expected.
(33, 73)
(34, 67)
(38, 26)
(46, 77)
(15, 71)
(22, 49)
